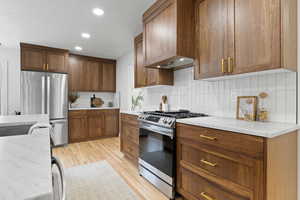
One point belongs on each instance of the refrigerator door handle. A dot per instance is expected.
(43, 94)
(48, 94)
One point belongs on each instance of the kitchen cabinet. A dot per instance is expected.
(96, 124)
(85, 125)
(109, 77)
(41, 58)
(148, 76)
(91, 74)
(168, 32)
(236, 37)
(78, 126)
(129, 136)
(111, 121)
(220, 164)
(139, 70)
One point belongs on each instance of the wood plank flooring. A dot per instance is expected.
(109, 150)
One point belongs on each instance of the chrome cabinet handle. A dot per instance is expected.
(43, 94)
(57, 162)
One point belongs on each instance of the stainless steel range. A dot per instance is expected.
(157, 148)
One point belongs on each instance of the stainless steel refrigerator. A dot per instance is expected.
(47, 93)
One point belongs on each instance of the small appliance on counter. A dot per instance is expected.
(157, 161)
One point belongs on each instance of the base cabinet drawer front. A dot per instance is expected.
(194, 187)
(219, 165)
(131, 148)
(131, 133)
(130, 118)
(250, 145)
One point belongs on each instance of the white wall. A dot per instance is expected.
(214, 98)
(12, 58)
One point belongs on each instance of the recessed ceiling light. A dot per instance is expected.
(78, 48)
(181, 59)
(98, 11)
(85, 35)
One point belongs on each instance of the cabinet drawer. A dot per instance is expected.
(131, 133)
(197, 187)
(240, 143)
(129, 118)
(76, 113)
(95, 112)
(131, 148)
(219, 165)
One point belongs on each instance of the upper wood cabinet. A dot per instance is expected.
(168, 32)
(40, 58)
(91, 74)
(139, 69)
(109, 77)
(148, 76)
(242, 36)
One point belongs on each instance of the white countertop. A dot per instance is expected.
(25, 167)
(98, 108)
(263, 129)
(130, 112)
(15, 120)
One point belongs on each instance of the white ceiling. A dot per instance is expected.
(59, 23)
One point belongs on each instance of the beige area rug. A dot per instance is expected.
(96, 181)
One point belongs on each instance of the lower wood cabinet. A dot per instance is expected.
(129, 135)
(248, 168)
(87, 125)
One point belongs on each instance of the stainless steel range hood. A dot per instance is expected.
(174, 63)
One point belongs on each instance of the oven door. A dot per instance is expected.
(157, 151)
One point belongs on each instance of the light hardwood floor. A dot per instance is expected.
(109, 150)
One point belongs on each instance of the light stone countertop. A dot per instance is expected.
(263, 129)
(15, 120)
(25, 167)
(90, 108)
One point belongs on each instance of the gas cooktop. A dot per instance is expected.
(167, 119)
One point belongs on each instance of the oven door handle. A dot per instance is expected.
(158, 131)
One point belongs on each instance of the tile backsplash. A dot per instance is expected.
(218, 98)
(85, 98)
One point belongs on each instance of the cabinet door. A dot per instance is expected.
(160, 33)
(210, 44)
(92, 75)
(76, 73)
(78, 129)
(109, 77)
(111, 123)
(57, 61)
(33, 59)
(257, 35)
(140, 70)
(96, 125)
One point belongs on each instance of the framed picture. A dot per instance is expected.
(246, 108)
